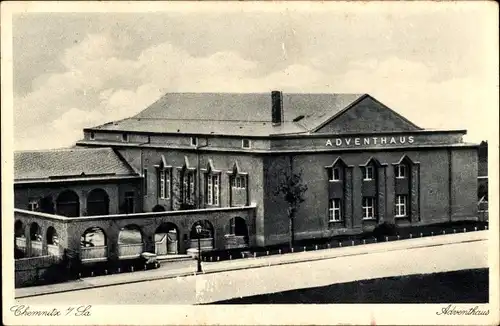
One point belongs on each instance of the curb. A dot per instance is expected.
(262, 264)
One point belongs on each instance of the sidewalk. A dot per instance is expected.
(214, 267)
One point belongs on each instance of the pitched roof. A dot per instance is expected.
(233, 113)
(71, 162)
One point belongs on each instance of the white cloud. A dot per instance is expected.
(99, 86)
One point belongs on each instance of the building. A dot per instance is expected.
(482, 179)
(217, 159)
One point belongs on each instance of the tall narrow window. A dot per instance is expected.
(401, 171)
(213, 194)
(368, 173)
(401, 201)
(168, 184)
(335, 210)
(162, 184)
(368, 208)
(129, 202)
(92, 135)
(125, 137)
(194, 141)
(145, 176)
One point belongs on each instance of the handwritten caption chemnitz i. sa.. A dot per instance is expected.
(71, 311)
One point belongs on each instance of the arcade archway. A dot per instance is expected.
(167, 239)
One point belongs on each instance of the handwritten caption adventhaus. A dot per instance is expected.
(362, 141)
(27, 311)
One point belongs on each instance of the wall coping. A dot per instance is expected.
(134, 215)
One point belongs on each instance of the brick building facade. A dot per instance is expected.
(201, 154)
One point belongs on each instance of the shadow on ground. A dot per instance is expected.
(467, 286)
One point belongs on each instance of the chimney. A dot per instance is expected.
(277, 107)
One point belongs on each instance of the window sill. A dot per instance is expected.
(400, 178)
(368, 179)
(334, 180)
(369, 219)
(335, 222)
(401, 217)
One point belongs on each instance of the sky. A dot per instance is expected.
(435, 65)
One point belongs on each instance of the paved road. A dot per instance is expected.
(226, 285)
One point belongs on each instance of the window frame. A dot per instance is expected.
(332, 209)
(165, 183)
(238, 181)
(399, 168)
(401, 205)
(366, 176)
(92, 135)
(129, 197)
(367, 208)
(243, 143)
(33, 204)
(194, 141)
(125, 137)
(331, 174)
(213, 189)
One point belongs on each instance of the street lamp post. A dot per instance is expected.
(198, 232)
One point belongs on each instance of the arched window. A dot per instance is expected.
(35, 232)
(52, 238)
(98, 203)
(19, 229)
(68, 204)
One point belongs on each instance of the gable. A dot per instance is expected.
(366, 115)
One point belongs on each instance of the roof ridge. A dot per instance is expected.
(54, 150)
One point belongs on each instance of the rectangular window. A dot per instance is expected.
(401, 171)
(194, 141)
(334, 210)
(368, 208)
(334, 174)
(92, 135)
(212, 190)
(238, 182)
(188, 186)
(401, 201)
(245, 143)
(168, 183)
(368, 173)
(125, 137)
(129, 202)
(162, 184)
(145, 176)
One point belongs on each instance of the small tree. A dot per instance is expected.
(293, 190)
